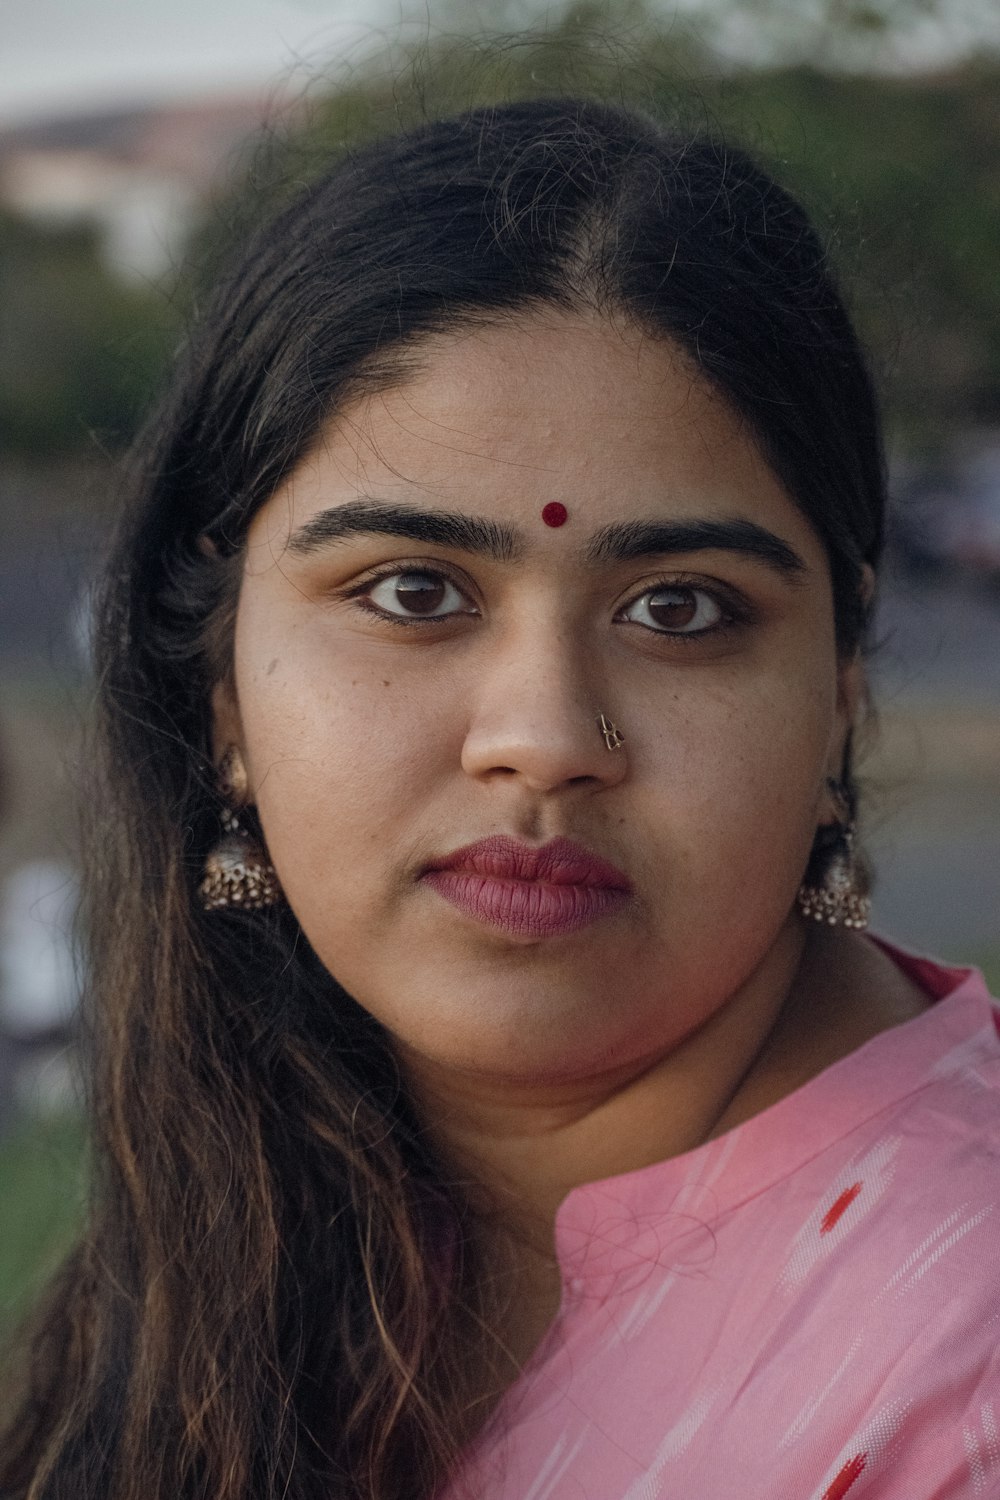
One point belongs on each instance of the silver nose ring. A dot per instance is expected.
(613, 737)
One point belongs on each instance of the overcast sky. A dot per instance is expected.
(59, 55)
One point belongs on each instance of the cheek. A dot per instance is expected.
(315, 765)
(338, 755)
(740, 778)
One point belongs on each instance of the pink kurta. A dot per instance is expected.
(807, 1308)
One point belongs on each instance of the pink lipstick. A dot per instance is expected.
(526, 891)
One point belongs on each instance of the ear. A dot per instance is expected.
(226, 724)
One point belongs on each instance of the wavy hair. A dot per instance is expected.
(278, 1293)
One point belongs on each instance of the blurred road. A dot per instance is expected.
(938, 642)
(934, 816)
(42, 585)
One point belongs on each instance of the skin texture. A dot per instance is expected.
(373, 747)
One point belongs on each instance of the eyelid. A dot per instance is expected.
(736, 612)
(736, 609)
(398, 568)
(400, 565)
(731, 600)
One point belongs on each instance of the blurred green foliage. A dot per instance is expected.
(904, 175)
(901, 173)
(80, 350)
(43, 1186)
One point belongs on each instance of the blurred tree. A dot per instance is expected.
(904, 175)
(80, 351)
(902, 172)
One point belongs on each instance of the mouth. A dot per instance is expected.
(529, 892)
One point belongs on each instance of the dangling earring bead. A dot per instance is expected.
(841, 897)
(237, 872)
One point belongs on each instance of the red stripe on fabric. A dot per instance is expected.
(840, 1207)
(848, 1474)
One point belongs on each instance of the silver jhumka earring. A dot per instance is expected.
(238, 872)
(838, 892)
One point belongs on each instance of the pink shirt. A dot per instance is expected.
(807, 1308)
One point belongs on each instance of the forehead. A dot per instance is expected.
(504, 420)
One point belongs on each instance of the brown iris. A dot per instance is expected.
(673, 608)
(420, 593)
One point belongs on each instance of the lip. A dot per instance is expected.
(526, 891)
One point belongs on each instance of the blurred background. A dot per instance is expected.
(133, 139)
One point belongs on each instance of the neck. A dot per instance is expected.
(528, 1143)
(817, 996)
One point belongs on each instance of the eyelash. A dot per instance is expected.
(735, 612)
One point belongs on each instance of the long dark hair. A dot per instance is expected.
(278, 1292)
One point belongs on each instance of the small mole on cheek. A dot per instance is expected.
(554, 514)
(385, 682)
(271, 667)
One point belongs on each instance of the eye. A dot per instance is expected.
(676, 609)
(415, 594)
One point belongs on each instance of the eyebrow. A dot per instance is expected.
(625, 541)
(621, 541)
(442, 528)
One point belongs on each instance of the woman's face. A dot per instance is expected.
(420, 665)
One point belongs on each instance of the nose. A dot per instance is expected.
(536, 717)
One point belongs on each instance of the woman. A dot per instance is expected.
(481, 1109)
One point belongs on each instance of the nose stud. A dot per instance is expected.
(613, 737)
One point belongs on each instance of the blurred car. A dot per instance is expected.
(945, 520)
(39, 983)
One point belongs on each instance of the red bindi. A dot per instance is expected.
(554, 514)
